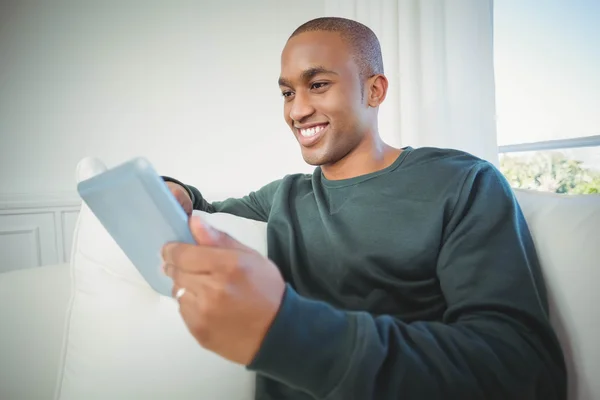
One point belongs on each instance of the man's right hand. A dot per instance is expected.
(182, 197)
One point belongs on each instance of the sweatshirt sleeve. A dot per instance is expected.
(256, 205)
(494, 341)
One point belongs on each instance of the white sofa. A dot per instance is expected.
(34, 315)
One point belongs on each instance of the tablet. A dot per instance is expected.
(135, 206)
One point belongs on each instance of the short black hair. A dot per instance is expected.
(362, 41)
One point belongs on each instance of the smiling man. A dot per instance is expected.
(392, 273)
(325, 76)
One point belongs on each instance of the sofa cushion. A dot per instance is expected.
(124, 340)
(33, 304)
(566, 232)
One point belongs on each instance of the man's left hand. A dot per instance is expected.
(231, 293)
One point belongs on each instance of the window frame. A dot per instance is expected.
(555, 144)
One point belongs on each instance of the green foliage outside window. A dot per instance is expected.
(550, 172)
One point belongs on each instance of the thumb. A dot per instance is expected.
(207, 235)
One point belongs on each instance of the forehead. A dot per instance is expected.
(316, 49)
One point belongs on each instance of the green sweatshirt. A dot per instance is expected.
(419, 281)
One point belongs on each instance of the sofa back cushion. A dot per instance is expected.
(125, 341)
(566, 232)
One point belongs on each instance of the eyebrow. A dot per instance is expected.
(308, 75)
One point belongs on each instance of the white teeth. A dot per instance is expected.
(311, 131)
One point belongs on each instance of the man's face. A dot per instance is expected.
(323, 104)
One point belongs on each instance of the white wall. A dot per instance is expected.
(190, 85)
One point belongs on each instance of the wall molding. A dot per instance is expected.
(25, 201)
(49, 217)
(33, 233)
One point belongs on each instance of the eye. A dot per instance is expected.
(319, 85)
(287, 93)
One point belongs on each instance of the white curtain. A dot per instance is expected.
(438, 57)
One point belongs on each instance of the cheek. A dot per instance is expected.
(333, 106)
(286, 113)
(345, 102)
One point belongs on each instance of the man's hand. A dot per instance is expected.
(182, 197)
(232, 293)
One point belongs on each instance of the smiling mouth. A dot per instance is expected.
(312, 131)
(309, 136)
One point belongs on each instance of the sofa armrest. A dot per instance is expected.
(33, 308)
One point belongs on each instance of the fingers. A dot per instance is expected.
(188, 306)
(198, 259)
(184, 200)
(190, 281)
(196, 295)
(187, 207)
(190, 309)
(187, 291)
(182, 197)
(205, 234)
(214, 251)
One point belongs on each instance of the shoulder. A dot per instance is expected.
(286, 182)
(449, 165)
(469, 180)
(445, 175)
(443, 158)
(296, 179)
(443, 165)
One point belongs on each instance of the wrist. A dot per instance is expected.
(304, 326)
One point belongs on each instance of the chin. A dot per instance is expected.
(315, 159)
(312, 161)
(311, 158)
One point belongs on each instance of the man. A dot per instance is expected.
(392, 273)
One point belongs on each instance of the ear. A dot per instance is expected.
(377, 86)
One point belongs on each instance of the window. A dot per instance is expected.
(547, 63)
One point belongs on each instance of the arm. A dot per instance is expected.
(495, 341)
(256, 205)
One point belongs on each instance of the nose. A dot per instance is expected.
(301, 108)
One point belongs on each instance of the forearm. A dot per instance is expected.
(333, 354)
(254, 206)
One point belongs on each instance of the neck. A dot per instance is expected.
(370, 156)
